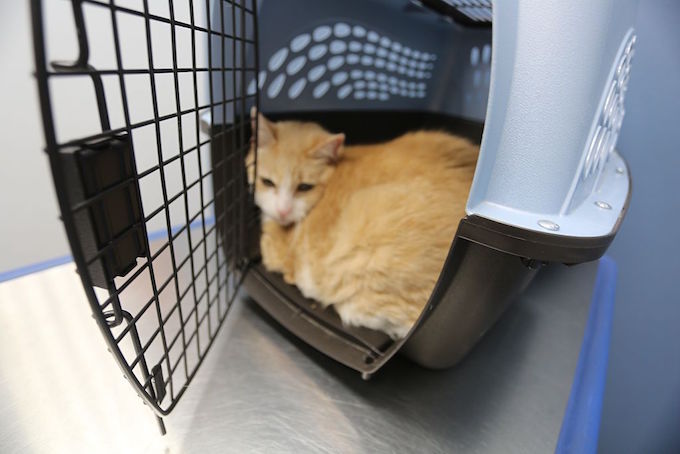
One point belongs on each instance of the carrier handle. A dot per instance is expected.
(81, 64)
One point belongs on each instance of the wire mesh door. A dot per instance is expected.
(146, 134)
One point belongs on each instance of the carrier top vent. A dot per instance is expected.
(475, 10)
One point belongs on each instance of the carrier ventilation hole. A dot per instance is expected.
(326, 52)
(315, 73)
(321, 89)
(321, 33)
(261, 78)
(611, 116)
(474, 56)
(297, 87)
(300, 42)
(480, 74)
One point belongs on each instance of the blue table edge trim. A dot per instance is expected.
(581, 423)
(40, 266)
(34, 268)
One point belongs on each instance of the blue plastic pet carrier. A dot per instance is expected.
(151, 181)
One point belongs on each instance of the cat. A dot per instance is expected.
(363, 228)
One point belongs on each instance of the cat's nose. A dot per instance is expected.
(284, 212)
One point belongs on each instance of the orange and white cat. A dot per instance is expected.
(363, 228)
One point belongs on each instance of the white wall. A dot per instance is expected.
(29, 227)
(30, 231)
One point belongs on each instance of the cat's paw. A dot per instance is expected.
(363, 315)
(398, 331)
(289, 278)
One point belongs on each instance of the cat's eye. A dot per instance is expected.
(304, 187)
(267, 182)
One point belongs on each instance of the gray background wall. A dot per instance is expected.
(642, 400)
(29, 231)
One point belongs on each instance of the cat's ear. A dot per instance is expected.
(265, 131)
(331, 149)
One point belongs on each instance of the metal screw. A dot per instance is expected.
(603, 205)
(620, 170)
(549, 225)
(531, 263)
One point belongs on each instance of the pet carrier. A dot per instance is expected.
(147, 128)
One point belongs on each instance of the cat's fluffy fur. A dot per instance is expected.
(370, 237)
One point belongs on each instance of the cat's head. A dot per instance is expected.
(294, 162)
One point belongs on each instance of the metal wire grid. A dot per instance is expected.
(476, 13)
(161, 318)
(476, 10)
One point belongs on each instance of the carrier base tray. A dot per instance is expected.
(313, 323)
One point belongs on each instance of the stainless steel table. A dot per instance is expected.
(261, 390)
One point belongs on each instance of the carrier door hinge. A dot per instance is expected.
(159, 383)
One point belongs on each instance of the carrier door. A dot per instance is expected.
(140, 126)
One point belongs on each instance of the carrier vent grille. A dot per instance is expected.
(610, 117)
(346, 61)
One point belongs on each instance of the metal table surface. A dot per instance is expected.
(261, 390)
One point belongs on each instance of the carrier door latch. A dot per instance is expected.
(105, 198)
